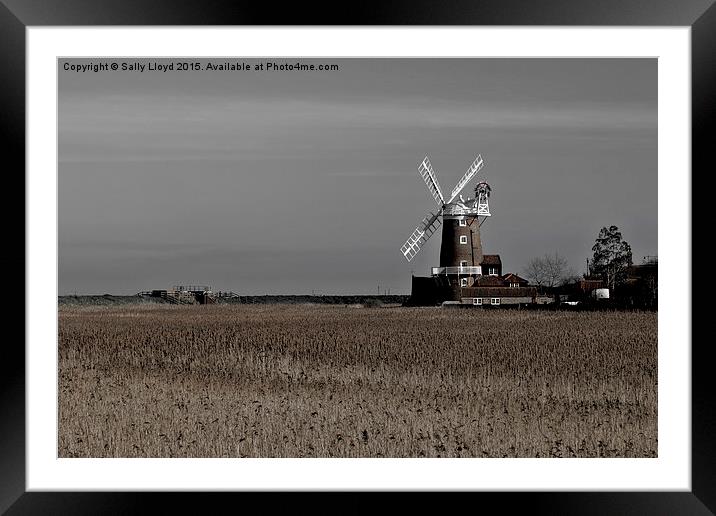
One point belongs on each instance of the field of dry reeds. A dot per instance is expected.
(342, 381)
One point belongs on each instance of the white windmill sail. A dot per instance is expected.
(471, 171)
(428, 175)
(421, 235)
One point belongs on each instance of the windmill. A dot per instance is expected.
(461, 247)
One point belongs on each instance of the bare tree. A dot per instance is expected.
(549, 270)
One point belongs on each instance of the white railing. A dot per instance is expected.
(192, 288)
(436, 271)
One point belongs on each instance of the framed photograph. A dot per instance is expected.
(236, 280)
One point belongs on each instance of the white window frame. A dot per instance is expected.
(463, 263)
(463, 239)
(463, 222)
(476, 300)
(492, 271)
(463, 282)
(495, 301)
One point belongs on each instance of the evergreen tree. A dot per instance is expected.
(612, 256)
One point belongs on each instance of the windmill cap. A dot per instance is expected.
(458, 208)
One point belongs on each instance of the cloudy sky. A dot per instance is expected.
(292, 182)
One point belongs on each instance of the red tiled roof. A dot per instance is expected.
(511, 277)
(490, 281)
(491, 259)
(590, 284)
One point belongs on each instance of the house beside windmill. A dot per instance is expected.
(465, 274)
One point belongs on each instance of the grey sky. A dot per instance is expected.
(288, 182)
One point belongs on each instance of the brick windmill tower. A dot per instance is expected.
(461, 254)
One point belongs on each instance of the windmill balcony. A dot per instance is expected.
(466, 270)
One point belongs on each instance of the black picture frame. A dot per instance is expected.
(17, 15)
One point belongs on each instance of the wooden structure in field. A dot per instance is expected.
(184, 294)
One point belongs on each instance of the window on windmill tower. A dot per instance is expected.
(463, 239)
(463, 222)
(463, 282)
(463, 263)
